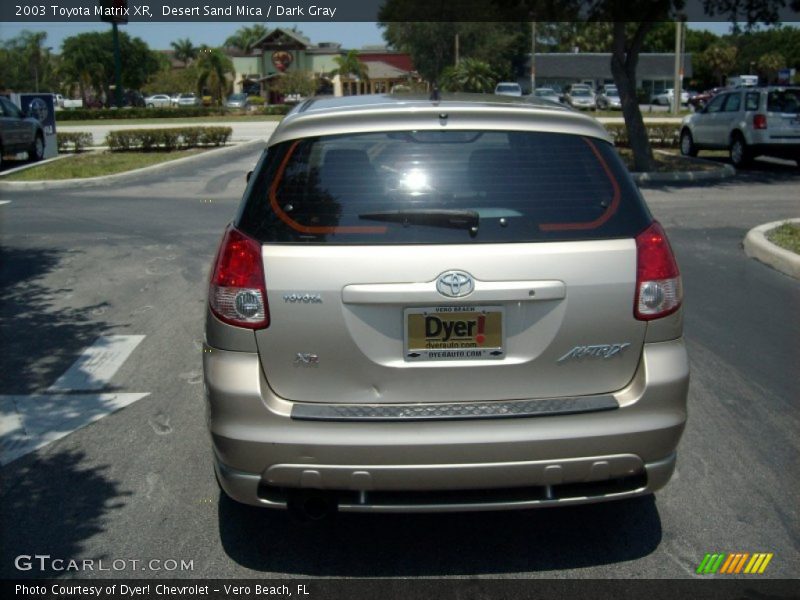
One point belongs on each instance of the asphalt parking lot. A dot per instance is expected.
(116, 277)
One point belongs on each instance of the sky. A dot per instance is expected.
(159, 35)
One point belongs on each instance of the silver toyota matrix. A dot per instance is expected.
(450, 305)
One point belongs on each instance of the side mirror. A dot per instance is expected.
(248, 176)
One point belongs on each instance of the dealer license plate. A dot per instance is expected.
(454, 333)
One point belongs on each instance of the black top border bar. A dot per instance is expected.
(177, 11)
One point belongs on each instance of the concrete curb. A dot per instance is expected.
(756, 245)
(720, 172)
(127, 176)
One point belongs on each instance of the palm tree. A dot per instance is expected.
(184, 50)
(245, 38)
(348, 65)
(213, 68)
(469, 76)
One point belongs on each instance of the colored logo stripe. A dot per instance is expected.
(734, 563)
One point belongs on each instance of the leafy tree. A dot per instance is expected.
(26, 65)
(752, 45)
(349, 65)
(720, 60)
(185, 51)
(88, 62)
(301, 83)
(245, 38)
(769, 64)
(432, 45)
(470, 75)
(213, 69)
(172, 81)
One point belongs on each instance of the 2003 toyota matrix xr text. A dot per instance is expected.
(442, 306)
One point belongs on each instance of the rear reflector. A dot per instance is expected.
(759, 121)
(237, 293)
(658, 282)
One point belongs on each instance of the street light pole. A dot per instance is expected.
(117, 66)
(678, 81)
(533, 56)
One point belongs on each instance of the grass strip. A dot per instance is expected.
(787, 236)
(97, 164)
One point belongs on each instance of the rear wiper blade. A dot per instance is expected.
(439, 217)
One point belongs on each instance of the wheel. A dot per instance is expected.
(36, 152)
(739, 152)
(687, 144)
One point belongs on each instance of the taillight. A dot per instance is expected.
(759, 121)
(658, 281)
(237, 293)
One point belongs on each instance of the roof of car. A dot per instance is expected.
(398, 112)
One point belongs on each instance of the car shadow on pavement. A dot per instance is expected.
(445, 544)
(50, 504)
(41, 334)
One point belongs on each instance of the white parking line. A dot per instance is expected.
(29, 422)
(5, 202)
(96, 366)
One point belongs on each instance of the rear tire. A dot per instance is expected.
(36, 153)
(687, 143)
(739, 152)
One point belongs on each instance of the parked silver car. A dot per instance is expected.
(158, 101)
(665, 97)
(748, 122)
(237, 101)
(581, 97)
(19, 133)
(448, 305)
(508, 88)
(188, 100)
(546, 93)
(608, 98)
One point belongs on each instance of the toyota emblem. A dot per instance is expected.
(455, 284)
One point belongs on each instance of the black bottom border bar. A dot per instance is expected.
(744, 588)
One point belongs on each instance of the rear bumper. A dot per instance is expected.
(261, 452)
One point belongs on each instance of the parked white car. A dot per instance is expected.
(188, 100)
(665, 97)
(157, 101)
(508, 88)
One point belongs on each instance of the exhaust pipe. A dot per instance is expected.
(311, 505)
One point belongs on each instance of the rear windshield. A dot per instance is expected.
(429, 187)
(508, 87)
(784, 101)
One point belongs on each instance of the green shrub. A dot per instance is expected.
(277, 109)
(256, 100)
(87, 114)
(173, 138)
(661, 135)
(79, 140)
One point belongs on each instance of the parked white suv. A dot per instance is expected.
(748, 122)
(442, 306)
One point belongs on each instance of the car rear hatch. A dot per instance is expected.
(783, 115)
(418, 266)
